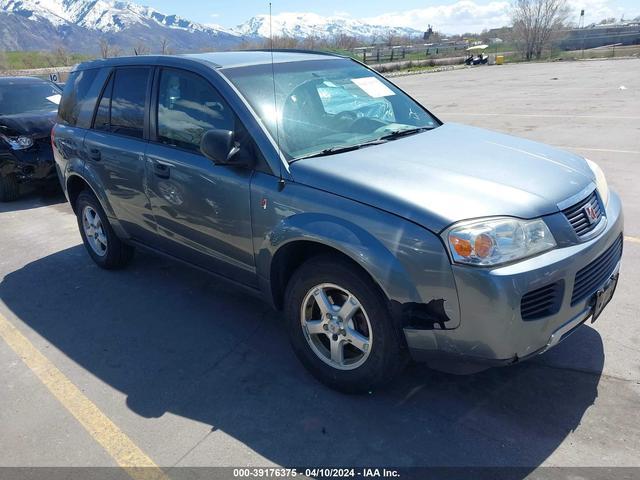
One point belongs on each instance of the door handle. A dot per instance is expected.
(162, 170)
(95, 155)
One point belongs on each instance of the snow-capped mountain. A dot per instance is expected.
(106, 16)
(81, 25)
(303, 25)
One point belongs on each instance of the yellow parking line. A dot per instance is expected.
(126, 453)
(632, 239)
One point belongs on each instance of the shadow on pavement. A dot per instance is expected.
(32, 197)
(176, 340)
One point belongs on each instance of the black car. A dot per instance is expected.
(28, 109)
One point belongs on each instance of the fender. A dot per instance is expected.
(347, 238)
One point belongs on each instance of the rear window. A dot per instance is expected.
(74, 97)
(121, 108)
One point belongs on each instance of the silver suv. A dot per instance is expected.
(381, 232)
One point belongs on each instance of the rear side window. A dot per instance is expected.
(121, 108)
(74, 97)
(102, 121)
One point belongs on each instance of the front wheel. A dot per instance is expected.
(340, 326)
(103, 245)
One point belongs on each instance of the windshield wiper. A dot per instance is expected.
(340, 149)
(404, 132)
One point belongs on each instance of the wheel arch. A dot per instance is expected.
(76, 183)
(305, 236)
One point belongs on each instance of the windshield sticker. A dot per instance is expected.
(55, 99)
(373, 87)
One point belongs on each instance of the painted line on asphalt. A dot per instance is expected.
(117, 444)
(539, 115)
(632, 239)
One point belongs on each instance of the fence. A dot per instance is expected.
(386, 53)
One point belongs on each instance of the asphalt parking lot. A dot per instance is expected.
(185, 371)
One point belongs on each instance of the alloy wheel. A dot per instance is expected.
(336, 326)
(94, 231)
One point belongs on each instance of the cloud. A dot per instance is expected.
(459, 17)
(596, 10)
(472, 16)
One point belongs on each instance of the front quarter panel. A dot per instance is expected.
(407, 261)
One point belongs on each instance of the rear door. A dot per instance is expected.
(115, 148)
(202, 210)
(75, 114)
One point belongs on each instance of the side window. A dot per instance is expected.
(103, 121)
(121, 108)
(188, 106)
(74, 96)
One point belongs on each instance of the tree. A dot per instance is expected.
(104, 48)
(140, 48)
(390, 37)
(534, 23)
(59, 57)
(164, 47)
(346, 41)
(107, 50)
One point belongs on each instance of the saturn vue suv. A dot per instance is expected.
(382, 233)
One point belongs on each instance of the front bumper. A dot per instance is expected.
(492, 330)
(34, 163)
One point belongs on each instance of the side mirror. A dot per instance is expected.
(219, 146)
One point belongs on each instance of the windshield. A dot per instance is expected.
(25, 98)
(323, 106)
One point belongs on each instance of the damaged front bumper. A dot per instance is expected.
(32, 164)
(492, 330)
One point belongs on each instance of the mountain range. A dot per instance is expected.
(81, 25)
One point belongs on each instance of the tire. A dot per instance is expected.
(361, 369)
(103, 245)
(9, 188)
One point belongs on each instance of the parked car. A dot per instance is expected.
(28, 107)
(380, 231)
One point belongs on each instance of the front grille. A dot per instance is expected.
(591, 277)
(579, 219)
(542, 302)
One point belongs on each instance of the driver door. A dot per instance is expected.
(202, 210)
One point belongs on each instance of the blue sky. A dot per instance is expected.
(449, 16)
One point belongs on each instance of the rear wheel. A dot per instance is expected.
(340, 326)
(9, 188)
(103, 245)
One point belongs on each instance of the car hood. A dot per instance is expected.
(35, 124)
(451, 173)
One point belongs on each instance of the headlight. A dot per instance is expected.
(601, 181)
(17, 143)
(494, 241)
